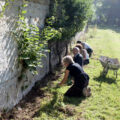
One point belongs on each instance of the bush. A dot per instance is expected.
(70, 16)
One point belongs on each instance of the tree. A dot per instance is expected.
(107, 11)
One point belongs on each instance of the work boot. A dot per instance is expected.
(87, 92)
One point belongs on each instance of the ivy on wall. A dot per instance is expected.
(32, 46)
(65, 19)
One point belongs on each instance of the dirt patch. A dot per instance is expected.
(68, 110)
(30, 104)
(27, 107)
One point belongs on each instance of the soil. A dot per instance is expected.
(30, 104)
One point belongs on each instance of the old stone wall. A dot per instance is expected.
(12, 89)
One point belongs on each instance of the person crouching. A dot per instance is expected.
(78, 58)
(81, 79)
(87, 47)
(84, 54)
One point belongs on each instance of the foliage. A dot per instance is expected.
(66, 18)
(70, 16)
(4, 7)
(49, 32)
(107, 12)
(31, 46)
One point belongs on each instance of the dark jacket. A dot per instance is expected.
(81, 79)
(78, 59)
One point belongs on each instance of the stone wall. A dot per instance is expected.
(12, 89)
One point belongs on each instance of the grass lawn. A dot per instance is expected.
(104, 104)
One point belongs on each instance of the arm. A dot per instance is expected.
(84, 54)
(65, 77)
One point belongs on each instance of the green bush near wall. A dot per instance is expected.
(65, 19)
(69, 16)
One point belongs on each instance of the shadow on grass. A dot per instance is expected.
(73, 100)
(104, 79)
(59, 105)
(48, 108)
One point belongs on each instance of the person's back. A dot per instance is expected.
(75, 69)
(77, 72)
(78, 59)
(87, 47)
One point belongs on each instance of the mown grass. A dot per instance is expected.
(104, 104)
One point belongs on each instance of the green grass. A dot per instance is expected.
(104, 104)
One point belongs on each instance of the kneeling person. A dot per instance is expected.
(81, 79)
(84, 54)
(78, 58)
(87, 47)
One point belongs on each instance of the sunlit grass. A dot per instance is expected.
(104, 104)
